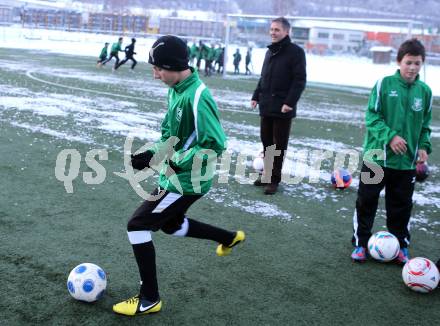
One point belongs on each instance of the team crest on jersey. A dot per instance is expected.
(179, 114)
(393, 93)
(417, 105)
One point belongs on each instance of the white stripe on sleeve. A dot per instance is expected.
(196, 104)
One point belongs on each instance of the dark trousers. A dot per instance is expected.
(101, 59)
(112, 55)
(166, 213)
(399, 188)
(125, 60)
(248, 71)
(275, 131)
(208, 67)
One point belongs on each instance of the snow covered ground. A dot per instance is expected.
(336, 70)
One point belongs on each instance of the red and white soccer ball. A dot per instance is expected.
(341, 179)
(87, 282)
(383, 246)
(420, 275)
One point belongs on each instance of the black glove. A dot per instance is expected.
(173, 166)
(142, 160)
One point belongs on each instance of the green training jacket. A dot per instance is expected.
(396, 107)
(116, 47)
(193, 118)
(103, 53)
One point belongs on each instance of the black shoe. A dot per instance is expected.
(258, 182)
(270, 189)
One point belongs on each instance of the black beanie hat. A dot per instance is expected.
(169, 52)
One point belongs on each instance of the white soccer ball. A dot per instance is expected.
(383, 246)
(87, 282)
(258, 164)
(420, 275)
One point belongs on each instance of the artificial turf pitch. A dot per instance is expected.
(294, 268)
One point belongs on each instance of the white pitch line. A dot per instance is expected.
(29, 74)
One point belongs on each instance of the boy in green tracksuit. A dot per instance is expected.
(103, 55)
(192, 138)
(398, 137)
(114, 52)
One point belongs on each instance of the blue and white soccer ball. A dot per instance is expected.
(383, 246)
(87, 282)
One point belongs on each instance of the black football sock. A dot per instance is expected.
(146, 260)
(205, 231)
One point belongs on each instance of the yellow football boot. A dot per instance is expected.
(137, 306)
(223, 250)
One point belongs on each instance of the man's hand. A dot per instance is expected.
(142, 160)
(423, 156)
(254, 104)
(398, 145)
(285, 108)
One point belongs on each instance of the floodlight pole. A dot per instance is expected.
(225, 52)
(424, 64)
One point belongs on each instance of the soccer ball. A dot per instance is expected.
(383, 246)
(341, 179)
(258, 164)
(87, 282)
(420, 275)
(422, 172)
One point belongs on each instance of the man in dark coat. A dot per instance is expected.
(283, 79)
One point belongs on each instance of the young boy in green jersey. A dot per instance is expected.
(192, 120)
(103, 55)
(397, 137)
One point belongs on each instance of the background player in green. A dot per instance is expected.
(114, 52)
(192, 118)
(397, 127)
(103, 55)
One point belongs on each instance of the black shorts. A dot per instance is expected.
(166, 213)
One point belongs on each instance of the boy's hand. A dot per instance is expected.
(398, 145)
(423, 156)
(254, 104)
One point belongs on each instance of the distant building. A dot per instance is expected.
(381, 54)
(6, 15)
(334, 39)
(300, 35)
(191, 27)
